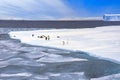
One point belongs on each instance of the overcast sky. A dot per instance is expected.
(56, 9)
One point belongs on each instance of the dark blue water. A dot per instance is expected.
(19, 61)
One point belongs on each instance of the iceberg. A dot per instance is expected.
(102, 42)
(111, 17)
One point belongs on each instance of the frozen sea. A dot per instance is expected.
(20, 61)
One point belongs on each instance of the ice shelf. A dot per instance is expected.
(103, 42)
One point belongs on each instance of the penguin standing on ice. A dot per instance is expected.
(32, 35)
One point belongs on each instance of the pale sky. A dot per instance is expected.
(56, 9)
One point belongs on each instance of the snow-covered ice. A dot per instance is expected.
(103, 42)
(13, 75)
(109, 77)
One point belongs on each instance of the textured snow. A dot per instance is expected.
(110, 77)
(17, 74)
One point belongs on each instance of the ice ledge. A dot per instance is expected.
(103, 42)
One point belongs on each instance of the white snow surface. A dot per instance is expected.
(103, 42)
